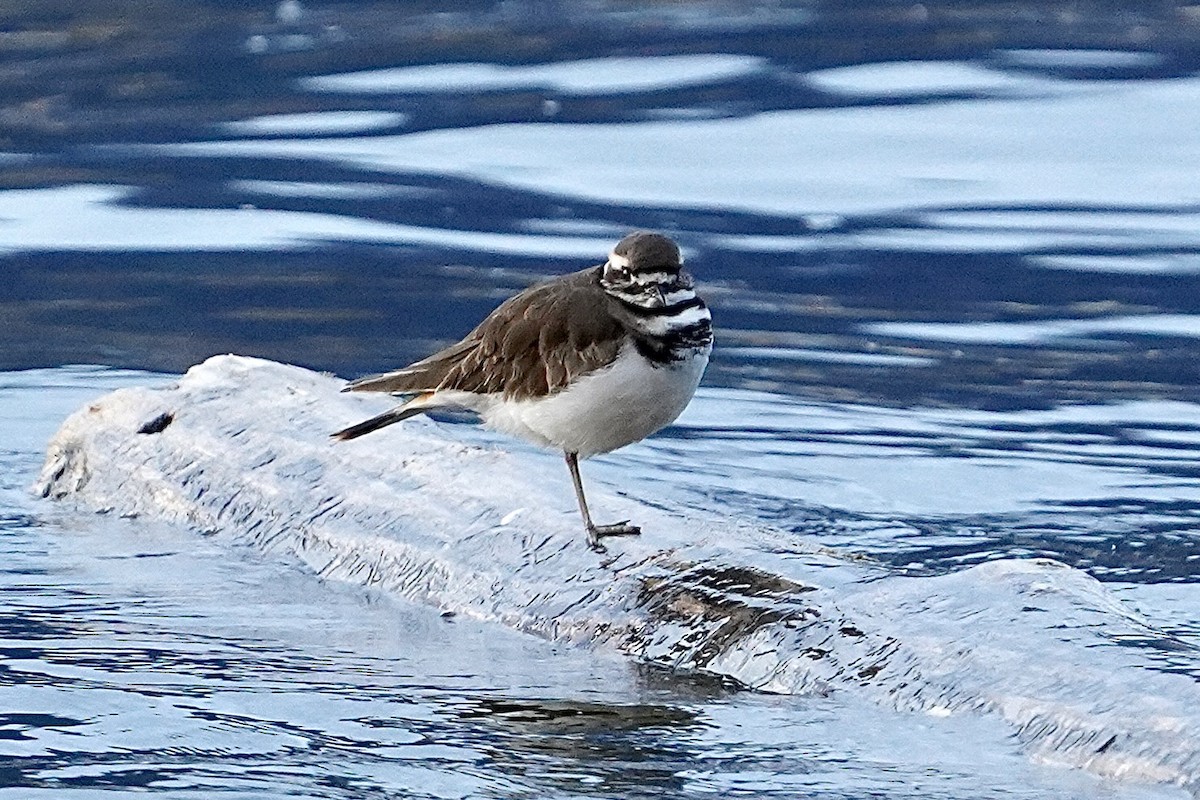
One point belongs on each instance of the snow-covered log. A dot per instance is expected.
(241, 447)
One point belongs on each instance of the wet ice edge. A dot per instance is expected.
(241, 447)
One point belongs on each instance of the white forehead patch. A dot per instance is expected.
(618, 262)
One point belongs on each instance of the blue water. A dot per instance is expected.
(955, 269)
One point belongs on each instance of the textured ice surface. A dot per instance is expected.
(240, 447)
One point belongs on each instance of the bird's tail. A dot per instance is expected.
(410, 409)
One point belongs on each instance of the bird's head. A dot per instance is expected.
(645, 269)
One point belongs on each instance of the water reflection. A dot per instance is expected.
(631, 750)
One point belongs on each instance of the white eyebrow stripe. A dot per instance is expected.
(646, 299)
(659, 277)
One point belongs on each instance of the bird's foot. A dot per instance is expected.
(595, 532)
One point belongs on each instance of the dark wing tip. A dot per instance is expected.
(352, 432)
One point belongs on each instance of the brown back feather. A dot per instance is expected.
(535, 343)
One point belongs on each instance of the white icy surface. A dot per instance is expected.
(1083, 146)
(917, 78)
(88, 217)
(1041, 331)
(985, 174)
(589, 76)
(494, 535)
(1080, 58)
(316, 122)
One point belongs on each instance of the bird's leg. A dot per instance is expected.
(594, 532)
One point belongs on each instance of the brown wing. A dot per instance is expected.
(542, 339)
(534, 344)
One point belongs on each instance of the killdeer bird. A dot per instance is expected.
(584, 363)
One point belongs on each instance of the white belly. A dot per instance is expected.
(616, 406)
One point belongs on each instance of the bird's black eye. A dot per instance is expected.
(618, 273)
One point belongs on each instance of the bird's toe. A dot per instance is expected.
(618, 529)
